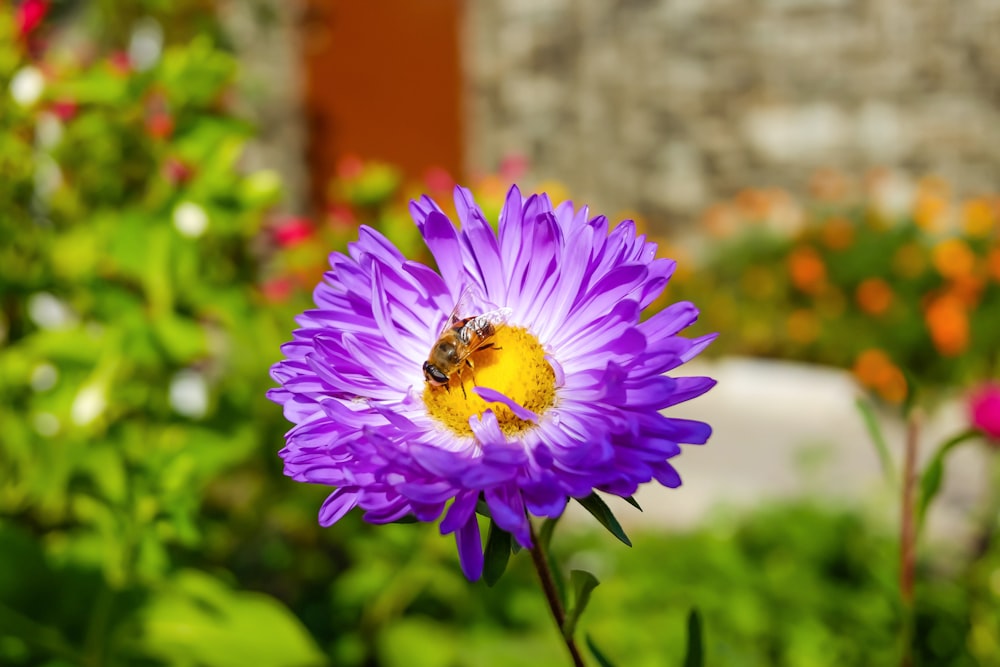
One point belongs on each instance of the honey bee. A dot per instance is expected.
(461, 337)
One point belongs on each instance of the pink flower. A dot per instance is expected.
(350, 167)
(292, 231)
(277, 290)
(176, 171)
(65, 110)
(120, 63)
(439, 180)
(30, 15)
(984, 410)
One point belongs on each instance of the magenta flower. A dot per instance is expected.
(984, 410)
(557, 392)
(30, 15)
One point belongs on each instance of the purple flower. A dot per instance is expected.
(561, 397)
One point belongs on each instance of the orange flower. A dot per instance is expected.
(874, 369)
(829, 185)
(754, 205)
(721, 221)
(807, 270)
(953, 258)
(993, 263)
(803, 326)
(948, 323)
(977, 217)
(931, 211)
(838, 233)
(874, 296)
(967, 289)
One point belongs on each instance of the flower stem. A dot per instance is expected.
(541, 562)
(908, 535)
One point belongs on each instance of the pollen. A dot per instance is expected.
(515, 367)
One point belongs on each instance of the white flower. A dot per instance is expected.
(46, 424)
(27, 85)
(49, 312)
(145, 44)
(44, 377)
(190, 219)
(189, 394)
(88, 405)
(48, 130)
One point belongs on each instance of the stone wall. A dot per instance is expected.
(266, 36)
(665, 106)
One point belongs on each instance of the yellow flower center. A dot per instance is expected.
(515, 367)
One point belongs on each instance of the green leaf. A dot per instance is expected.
(584, 584)
(482, 509)
(632, 501)
(596, 506)
(878, 439)
(695, 655)
(602, 661)
(196, 619)
(930, 480)
(497, 553)
(545, 532)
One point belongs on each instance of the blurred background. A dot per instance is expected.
(174, 174)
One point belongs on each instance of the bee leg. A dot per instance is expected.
(468, 362)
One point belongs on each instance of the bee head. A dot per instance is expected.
(434, 375)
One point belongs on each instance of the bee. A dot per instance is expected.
(461, 337)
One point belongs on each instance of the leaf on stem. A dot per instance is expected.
(545, 532)
(497, 553)
(602, 661)
(695, 655)
(930, 480)
(482, 509)
(596, 506)
(583, 585)
(633, 502)
(878, 439)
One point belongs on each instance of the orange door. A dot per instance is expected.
(382, 81)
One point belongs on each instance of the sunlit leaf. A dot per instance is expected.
(197, 619)
(878, 439)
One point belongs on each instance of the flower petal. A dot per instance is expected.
(494, 396)
(470, 549)
(337, 504)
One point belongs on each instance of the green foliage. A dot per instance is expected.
(132, 356)
(143, 516)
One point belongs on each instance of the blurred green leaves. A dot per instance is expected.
(196, 619)
(133, 356)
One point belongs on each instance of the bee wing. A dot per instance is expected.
(495, 317)
(460, 311)
(470, 305)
